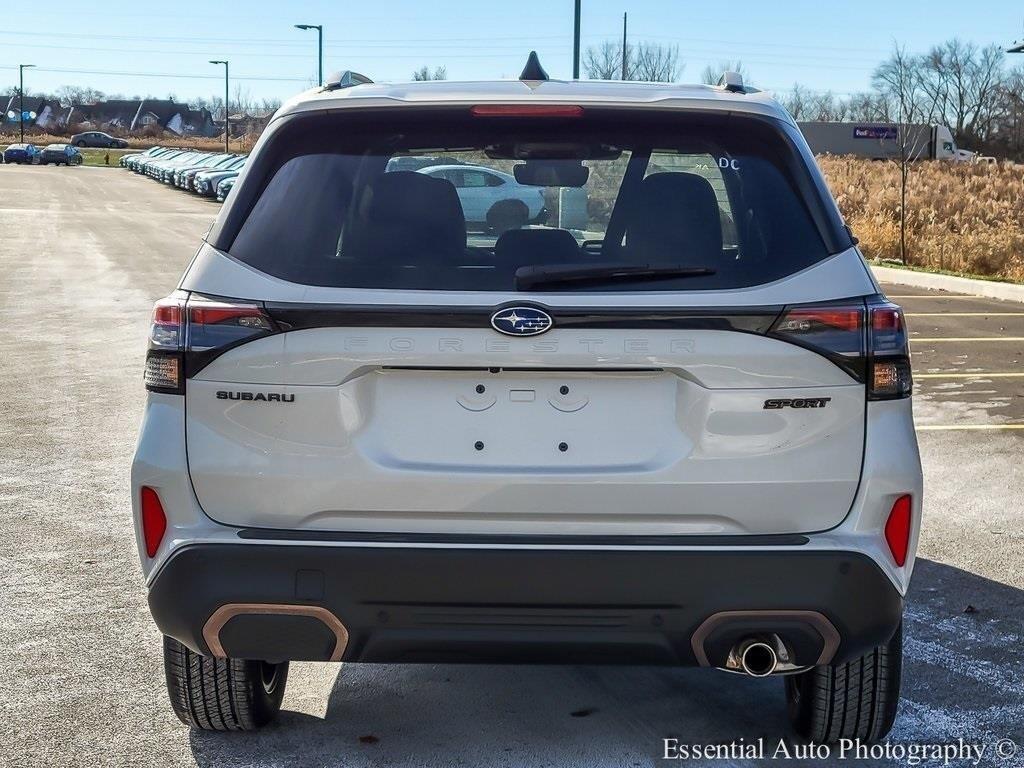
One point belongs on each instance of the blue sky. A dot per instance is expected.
(824, 44)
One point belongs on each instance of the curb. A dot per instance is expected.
(990, 289)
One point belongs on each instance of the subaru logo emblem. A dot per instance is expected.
(521, 321)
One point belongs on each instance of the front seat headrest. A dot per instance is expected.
(676, 219)
(407, 218)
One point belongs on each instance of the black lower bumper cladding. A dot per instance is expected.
(323, 602)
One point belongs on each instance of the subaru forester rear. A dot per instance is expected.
(670, 425)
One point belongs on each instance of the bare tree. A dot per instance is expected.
(604, 61)
(644, 61)
(795, 102)
(242, 101)
(711, 74)
(424, 73)
(904, 80)
(653, 62)
(269, 106)
(69, 95)
(868, 106)
(958, 82)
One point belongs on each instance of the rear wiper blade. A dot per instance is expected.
(559, 274)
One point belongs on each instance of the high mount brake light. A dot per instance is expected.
(188, 332)
(526, 110)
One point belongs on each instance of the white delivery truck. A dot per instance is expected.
(881, 141)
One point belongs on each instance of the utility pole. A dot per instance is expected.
(227, 112)
(319, 48)
(21, 101)
(624, 48)
(576, 44)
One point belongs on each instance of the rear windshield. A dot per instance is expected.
(595, 201)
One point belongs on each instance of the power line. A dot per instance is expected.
(253, 78)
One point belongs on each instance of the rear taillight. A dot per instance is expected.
(154, 521)
(189, 331)
(165, 358)
(889, 374)
(868, 340)
(897, 529)
(833, 330)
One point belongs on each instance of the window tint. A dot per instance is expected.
(342, 203)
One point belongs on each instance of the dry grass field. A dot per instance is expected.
(961, 217)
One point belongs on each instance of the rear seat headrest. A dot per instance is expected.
(520, 247)
(676, 219)
(407, 215)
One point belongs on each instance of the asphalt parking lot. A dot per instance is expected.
(83, 254)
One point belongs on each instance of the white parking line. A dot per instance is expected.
(966, 338)
(982, 375)
(935, 296)
(954, 427)
(964, 314)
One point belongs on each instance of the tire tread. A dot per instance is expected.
(854, 700)
(218, 694)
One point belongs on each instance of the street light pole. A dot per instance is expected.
(21, 101)
(624, 49)
(227, 112)
(319, 48)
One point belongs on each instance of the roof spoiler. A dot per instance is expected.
(733, 83)
(346, 79)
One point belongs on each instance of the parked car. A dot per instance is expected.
(60, 154)
(162, 168)
(183, 177)
(131, 161)
(144, 165)
(98, 139)
(681, 434)
(480, 189)
(22, 154)
(205, 182)
(224, 188)
(196, 160)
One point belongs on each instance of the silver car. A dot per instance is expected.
(489, 196)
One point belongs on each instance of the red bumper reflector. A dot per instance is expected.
(154, 521)
(897, 529)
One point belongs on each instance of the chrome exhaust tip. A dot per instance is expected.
(757, 658)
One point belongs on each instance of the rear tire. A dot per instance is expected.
(856, 700)
(222, 694)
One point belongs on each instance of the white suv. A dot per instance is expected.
(673, 427)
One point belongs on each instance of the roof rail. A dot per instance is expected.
(345, 79)
(732, 82)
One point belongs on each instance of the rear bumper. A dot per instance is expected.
(390, 603)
